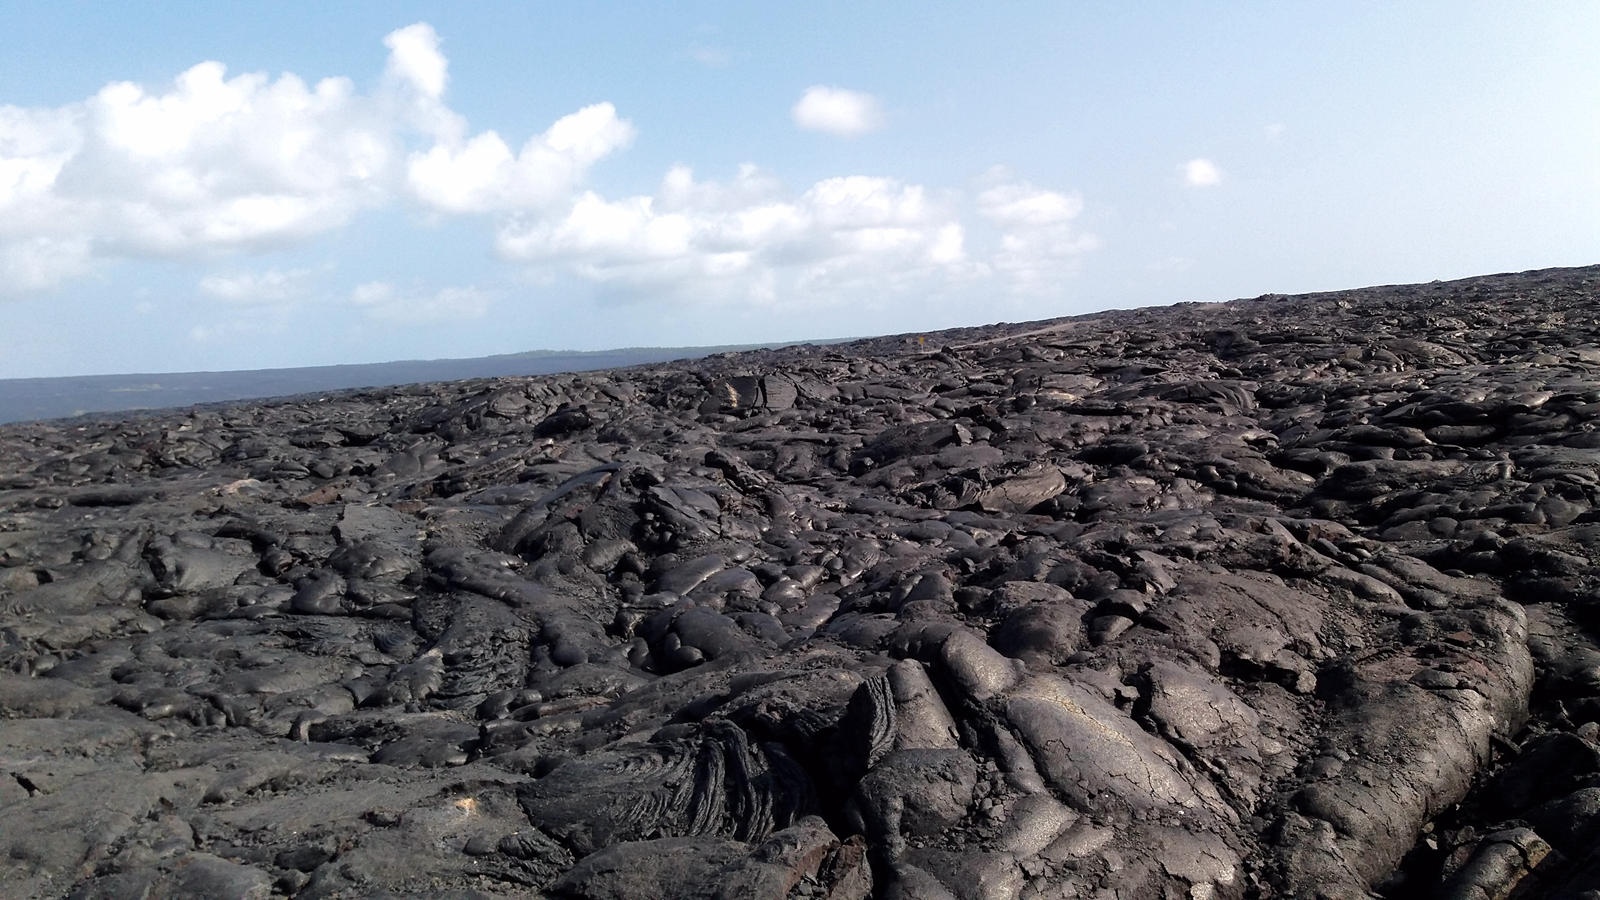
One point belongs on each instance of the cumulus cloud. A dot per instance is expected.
(748, 238)
(1038, 244)
(1022, 204)
(838, 111)
(414, 57)
(481, 174)
(214, 164)
(220, 164)
(841, 240)
(217, 164)
(414, 81)
(1201, 173)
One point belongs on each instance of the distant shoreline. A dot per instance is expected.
(33, 399)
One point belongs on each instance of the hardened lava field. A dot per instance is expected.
(1283, 597)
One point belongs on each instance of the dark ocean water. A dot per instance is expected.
(27, 399)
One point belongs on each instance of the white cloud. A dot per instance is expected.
(481, 175)
(838, 111)
(414, 81)
(1038, 245)
(843, 240)
(214, 164)
(37, 264)
(1201, 173)
(250, 288)
(414, 57)
(748, 239)
(251, 304)
(382, 300)
(1023, 204)
(1274, 131)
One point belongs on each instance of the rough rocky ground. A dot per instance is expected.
(1287, 597)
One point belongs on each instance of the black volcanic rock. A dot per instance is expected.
(1286, 597)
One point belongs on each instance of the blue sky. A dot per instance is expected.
(231, 185)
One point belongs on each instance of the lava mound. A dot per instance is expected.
(1284, 597)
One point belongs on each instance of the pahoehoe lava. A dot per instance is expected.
(1285, 597)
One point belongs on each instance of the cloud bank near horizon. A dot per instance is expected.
(219, 167)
